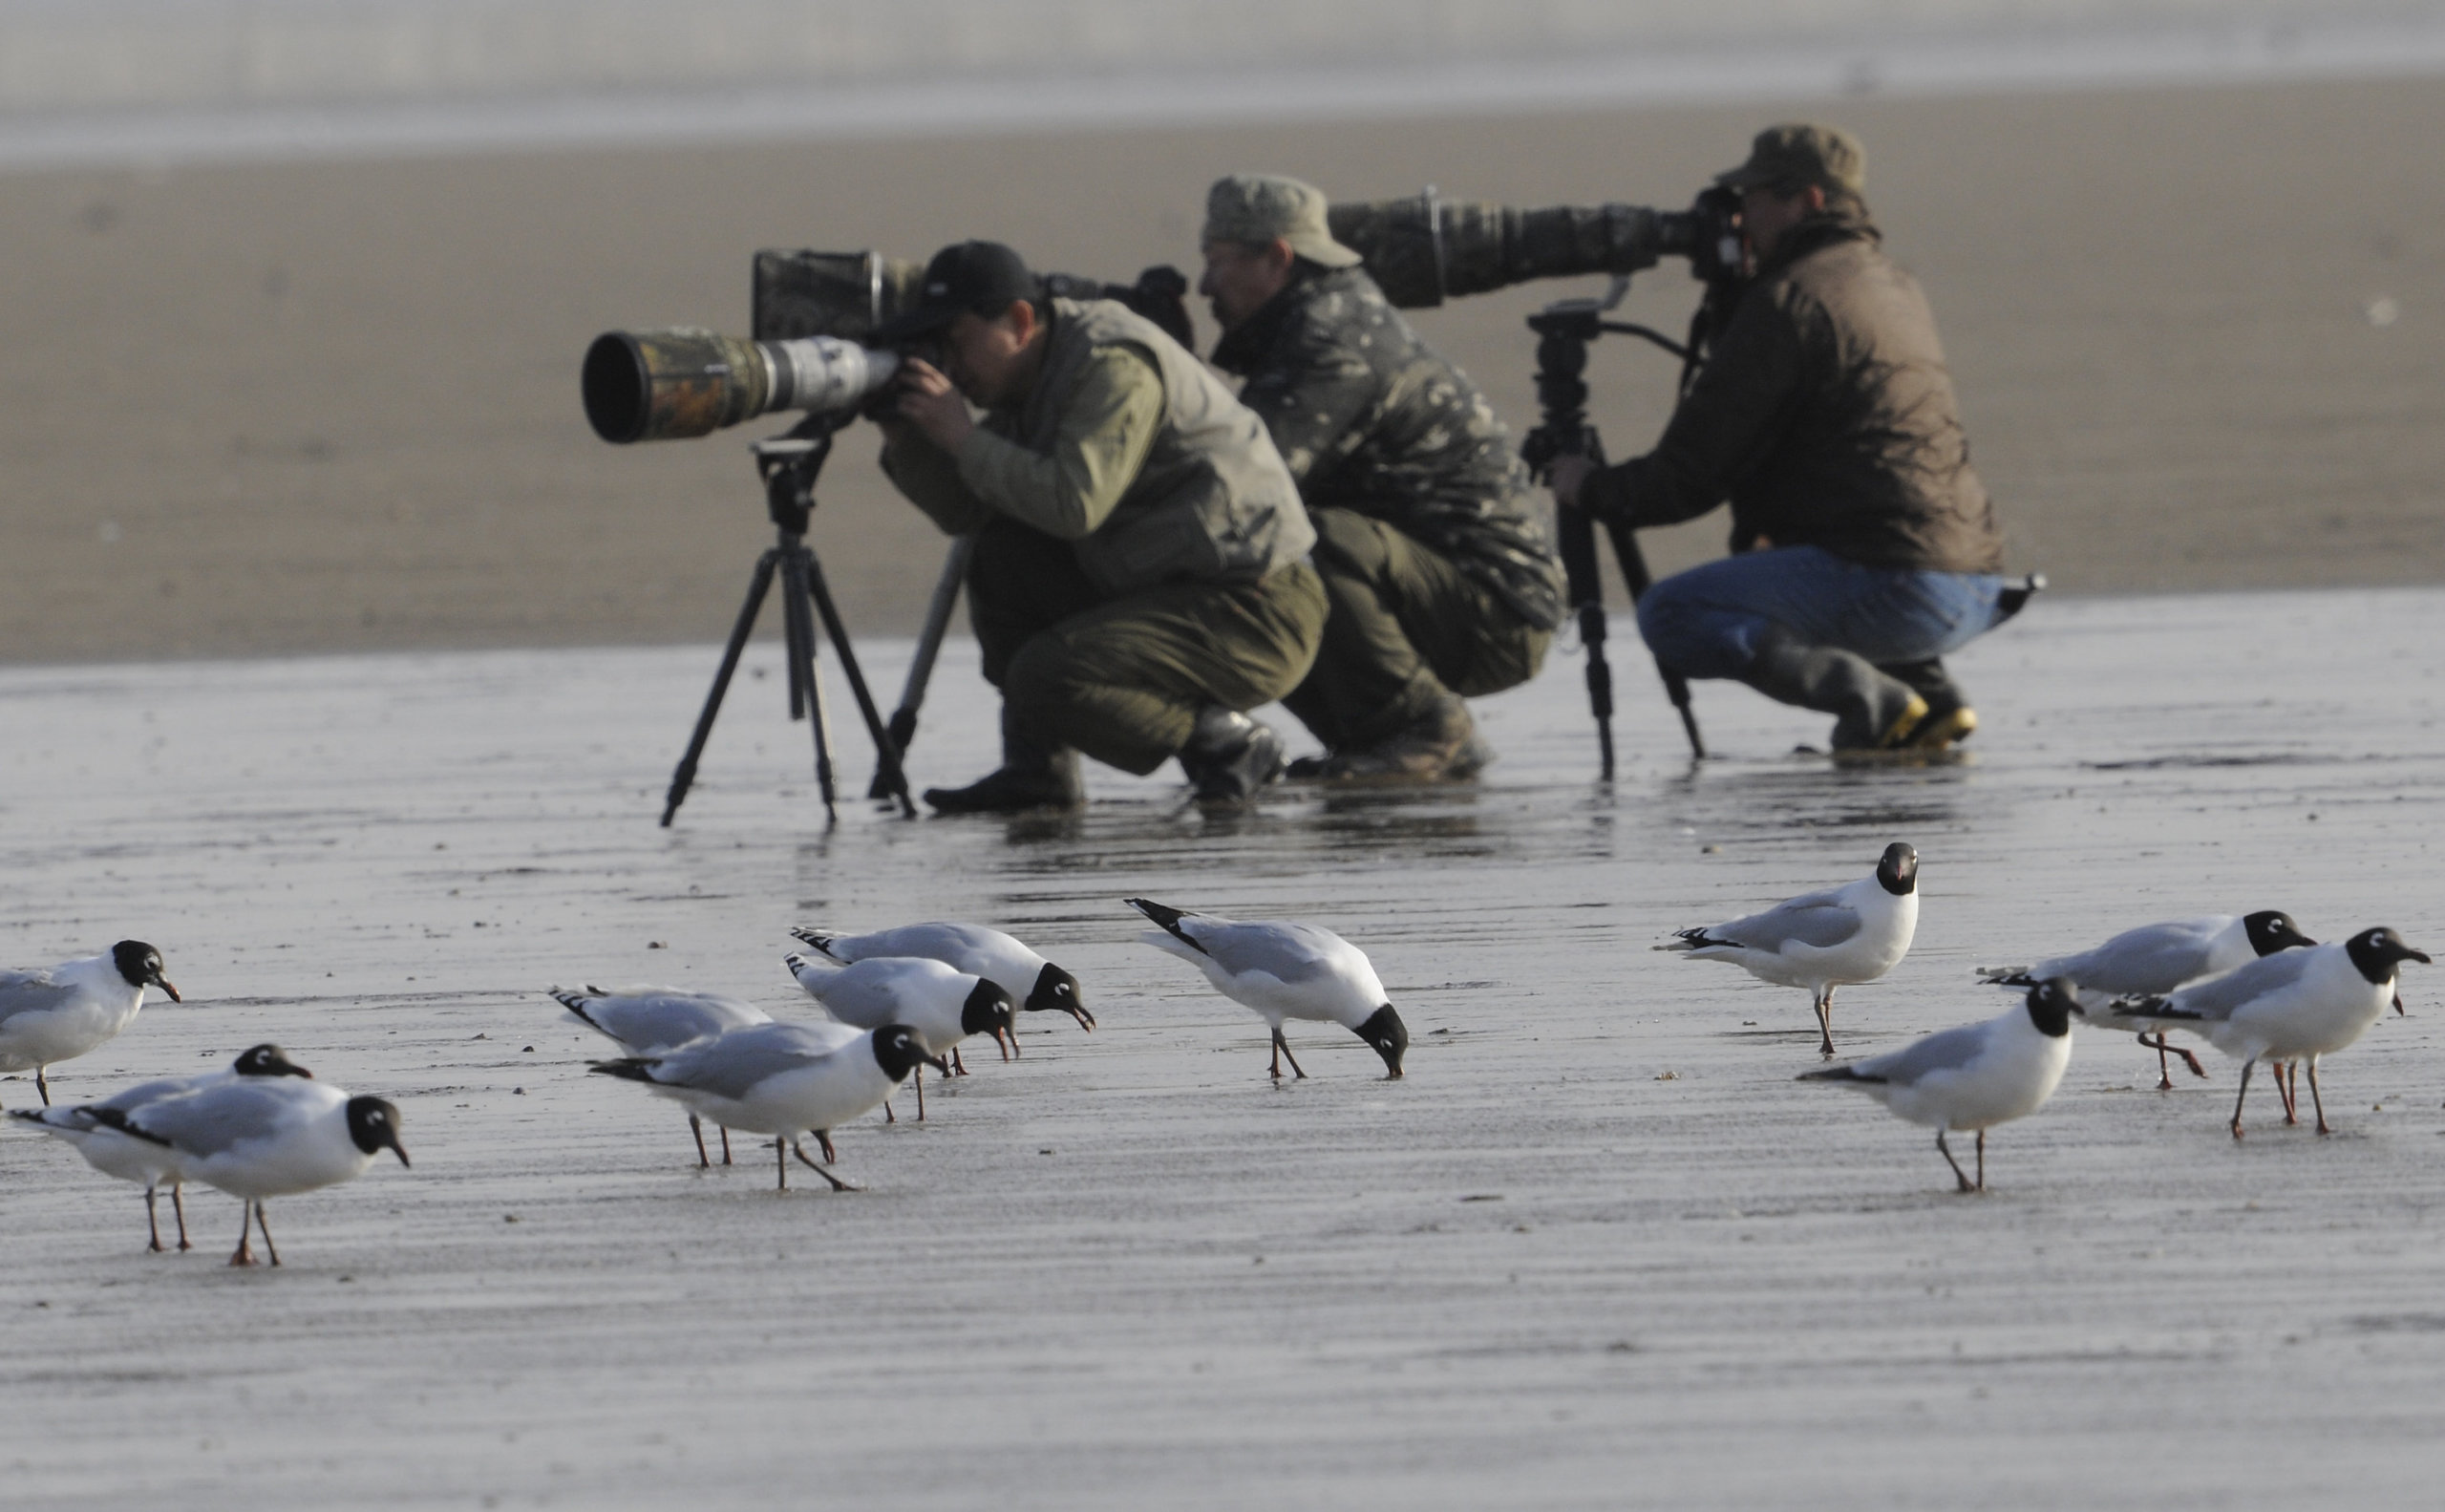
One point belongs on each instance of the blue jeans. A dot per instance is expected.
(1707, 622)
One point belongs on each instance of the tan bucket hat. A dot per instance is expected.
(1802, 153)
(1260, 207)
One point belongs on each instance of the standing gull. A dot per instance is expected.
(2309, 1002)
(263, 1137)
(1840, 937)
(942, 1003)
(1974, 1076)
(59, 1012)
(1285, 971)
(783, 1079)
(114, 1152)
(656, 1020)
(1036, 984)
(2157, 958)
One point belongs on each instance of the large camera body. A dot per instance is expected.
(1424, 249)
(813, 313)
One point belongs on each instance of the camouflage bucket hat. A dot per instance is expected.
(1798, 152)
(1257, 207)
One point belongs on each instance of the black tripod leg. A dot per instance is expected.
(888, 778)
(685, 776)
(929, 645)
(1587, 601)
(1635, 577)
(795, 589)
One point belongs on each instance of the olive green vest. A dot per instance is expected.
(1211, 502)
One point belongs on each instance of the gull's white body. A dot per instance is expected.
(2298, 1003)
(1971, 1078)
(990, 954)
(927, 995)
(258, 1137)
(63, 1012)
(655, 1020)
(1279, 970)
(1838, 937)
(784, 1079)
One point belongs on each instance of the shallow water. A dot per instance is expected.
(1596, 1249)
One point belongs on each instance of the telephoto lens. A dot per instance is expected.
(1424, 249)
(684, 381)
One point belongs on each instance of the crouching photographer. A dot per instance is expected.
(1138, 578)
(1864, 547)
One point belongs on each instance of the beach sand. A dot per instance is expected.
(326, 406)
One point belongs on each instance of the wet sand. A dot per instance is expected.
(333, 406)
(1597, 1249)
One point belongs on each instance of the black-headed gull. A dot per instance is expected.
(1036, 984)
(656, 1020)
(942, 1003)
(114, 1152)
(59, 1012)
(1840, 937)
(2307, 1002)
(263, 1137)
(2158, 958)
(1285, 971)
(1974, 1076)
(787, 1080)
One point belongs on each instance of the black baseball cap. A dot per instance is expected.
(984, 278)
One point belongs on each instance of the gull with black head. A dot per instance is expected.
(942, 1003)
(1974, 1076)
(1036, 984)
(59, 1012)
(658, 1020)
(786, 1081)
(115, 1151)
(2157, 958)
(264, 1137)
(2303, 1003)
(1283, 970)
(1838, 937)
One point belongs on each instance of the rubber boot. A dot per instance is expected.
(1230, 758)
(1872, 710)
(1950, 718)
(1033, 775)
(1425, 749)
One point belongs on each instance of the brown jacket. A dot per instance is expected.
(1826, 415)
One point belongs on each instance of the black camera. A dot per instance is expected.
(1425, 250)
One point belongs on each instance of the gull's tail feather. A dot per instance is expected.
(809, 969)
(2005, 976)
(1694, 940)
(575, 1003)
(1169, 918)
(819, 940)
(633, 1067)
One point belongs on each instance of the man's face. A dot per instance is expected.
(1241, 276)
(1765, 215)
(987, 358)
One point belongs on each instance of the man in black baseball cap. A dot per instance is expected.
(1864, 547)
(1141, 575)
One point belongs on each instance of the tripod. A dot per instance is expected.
(1563, 331)
(788, 463)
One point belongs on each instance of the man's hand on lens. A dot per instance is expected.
(929, 401)
(1568, 475)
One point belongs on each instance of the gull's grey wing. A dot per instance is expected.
(2155, 958)
(211, 1119)
(1947, 1051)
(2218, 999)
(1820, 919)
(31, 992)
(1289, 952)
(655, 1022)
(732, 1064)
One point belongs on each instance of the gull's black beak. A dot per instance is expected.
(937, 1062)
(1078, 1012)
(401, 1151)
(164, 983)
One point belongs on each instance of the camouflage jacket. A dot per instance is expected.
(1369, 418)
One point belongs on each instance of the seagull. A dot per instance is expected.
(656, 1020)
(783, 1079)
(116, 1153)
(60, 1012)
(1974, 1076)
(1036, 984)
(262, 1136)
(1838, 937)
(2307, 1002)
(1285, 971)
(942, 1003)
(2158, 958)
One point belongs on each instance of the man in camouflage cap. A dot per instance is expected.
(1440, 573)
(1864, 547)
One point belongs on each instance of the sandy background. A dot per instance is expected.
(1597, 1250)
(326, 406)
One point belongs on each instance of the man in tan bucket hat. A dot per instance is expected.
(1439, 569)
(1864, 546)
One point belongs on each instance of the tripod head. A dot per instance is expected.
(789, 464)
